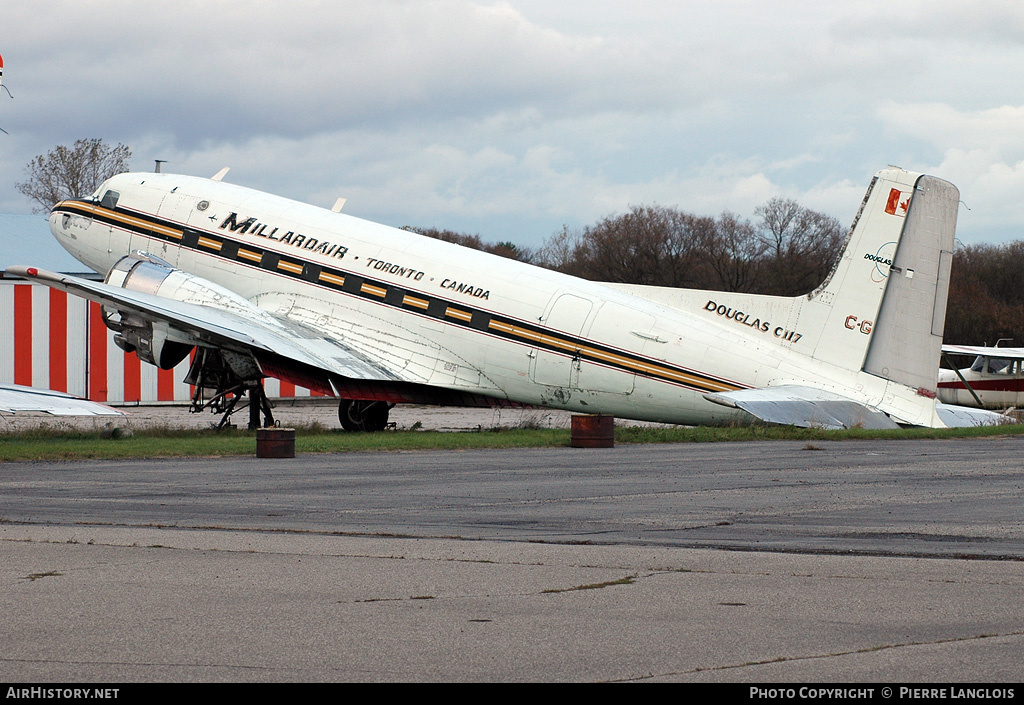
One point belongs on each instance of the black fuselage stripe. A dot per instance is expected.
(381, 292)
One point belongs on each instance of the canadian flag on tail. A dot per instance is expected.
(898, 203)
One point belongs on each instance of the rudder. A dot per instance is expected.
(886, 297)
(907, 341)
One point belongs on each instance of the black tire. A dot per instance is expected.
(369, 416)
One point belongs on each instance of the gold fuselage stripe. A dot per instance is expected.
(488, 322)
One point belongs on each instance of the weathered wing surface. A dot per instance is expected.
(15, 399)
(1006, 353)
(259, 332)
(808, 407)
(956, 416)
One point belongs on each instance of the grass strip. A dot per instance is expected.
(50, 444)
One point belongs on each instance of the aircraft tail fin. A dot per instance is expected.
(886, 297)
(882, 308)
(908, 337)
(880, 313)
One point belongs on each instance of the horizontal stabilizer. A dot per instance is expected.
(17, 399)
(962, 416)
(803, 406)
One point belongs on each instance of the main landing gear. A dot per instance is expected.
(226, 403)
(231, 376)
(358, 415)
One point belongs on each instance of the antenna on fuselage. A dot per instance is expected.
(158, 163)
(220, 174)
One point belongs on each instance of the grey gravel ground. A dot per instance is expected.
(304, 412)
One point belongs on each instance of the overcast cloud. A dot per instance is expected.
(512, 119)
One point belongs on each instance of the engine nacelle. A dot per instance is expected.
(152, 340)
(150, 344)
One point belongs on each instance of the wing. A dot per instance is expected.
(1005, 353)
(808, 407)
(957, 416)
(16, 399)
(797, 405)
(157, 309)
(244, 328)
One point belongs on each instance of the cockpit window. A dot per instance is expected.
(109, 199)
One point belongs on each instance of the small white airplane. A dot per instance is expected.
(264, 286)
(995, 380)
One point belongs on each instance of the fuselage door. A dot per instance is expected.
(556, 362)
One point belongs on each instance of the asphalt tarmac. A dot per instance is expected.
(859, 562)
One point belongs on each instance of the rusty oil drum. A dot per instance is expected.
(275, 443)
(592, 431)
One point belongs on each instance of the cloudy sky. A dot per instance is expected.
(512, 119)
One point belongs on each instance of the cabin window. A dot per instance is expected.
(109, 199)
(1000, 366)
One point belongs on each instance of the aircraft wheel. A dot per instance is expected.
(363, 415)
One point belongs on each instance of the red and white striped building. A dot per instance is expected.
(52, 340)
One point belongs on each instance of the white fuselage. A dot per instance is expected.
(451, 317)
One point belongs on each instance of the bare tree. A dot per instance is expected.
(801, 243)
(735, 254)
(648, 245)
(504, 249)
(72, 172)
(559, 252)
(986, 300)
(625, 248)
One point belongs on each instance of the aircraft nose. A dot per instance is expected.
(60, 224)
(72, 232)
